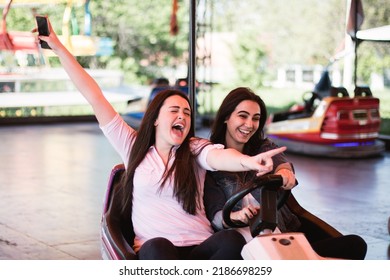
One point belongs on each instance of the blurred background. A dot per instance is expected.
(278, 48)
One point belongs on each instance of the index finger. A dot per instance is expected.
(274, 152)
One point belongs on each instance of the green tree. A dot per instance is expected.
(283, 32)
(373, 57)
(249, 57)
(275, 32)
(140, 31)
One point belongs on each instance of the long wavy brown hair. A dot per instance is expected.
(183, 169)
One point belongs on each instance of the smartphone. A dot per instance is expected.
(43, 29)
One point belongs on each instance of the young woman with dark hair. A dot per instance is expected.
(239, 125)
(165, 171)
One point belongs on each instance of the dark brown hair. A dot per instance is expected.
(229, 104)
(184, 167)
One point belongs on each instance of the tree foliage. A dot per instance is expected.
(140, 31)
(271, 33)
(373, 57)
(248, 58)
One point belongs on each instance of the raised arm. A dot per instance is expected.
(232, 160)
(87, 86)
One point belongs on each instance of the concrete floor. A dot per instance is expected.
(53, 179)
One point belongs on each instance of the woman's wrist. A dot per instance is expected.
(286, 166)
(243, 158)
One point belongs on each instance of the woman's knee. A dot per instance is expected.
(230, 236)
(231, 240)
(158, 248)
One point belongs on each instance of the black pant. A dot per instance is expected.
(222, 245)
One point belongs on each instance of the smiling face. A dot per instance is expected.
(173, 122)
(242, 124)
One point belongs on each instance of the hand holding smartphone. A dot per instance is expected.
(43, 29)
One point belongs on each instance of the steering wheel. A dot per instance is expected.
(271, 201)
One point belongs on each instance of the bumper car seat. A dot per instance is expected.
(117, 233)
(314, 228)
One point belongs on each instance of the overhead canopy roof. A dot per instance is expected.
(378, 34)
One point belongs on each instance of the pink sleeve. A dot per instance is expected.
(198, 143)
(121, 136)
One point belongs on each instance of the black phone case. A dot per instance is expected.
(43, 29)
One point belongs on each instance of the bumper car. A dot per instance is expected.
(267, 244)
(117, 233)
(330, 123)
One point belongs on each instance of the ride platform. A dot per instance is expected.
(53, 180)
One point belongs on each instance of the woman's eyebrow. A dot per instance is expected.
(178, 107)
(246, 112)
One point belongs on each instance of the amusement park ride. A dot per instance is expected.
(333, 122)
(117, 233)
(79, 45)
(331, 119)
(32, 91)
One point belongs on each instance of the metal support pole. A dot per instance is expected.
(356, 44)
(192, 59)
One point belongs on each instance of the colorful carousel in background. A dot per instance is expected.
(31, 91)
(79, 42)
